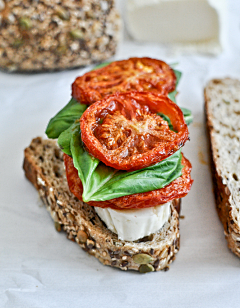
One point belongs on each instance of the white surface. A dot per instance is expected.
(131, 225)
(41, 268)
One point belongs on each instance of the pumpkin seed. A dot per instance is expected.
(61, 49)
(25, 23)
(146, 268)
(226, 102)
(62, 13)
(142, 258)
(57, 226)
(76, 34)
(17, 43)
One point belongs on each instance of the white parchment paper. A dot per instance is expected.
(41, 268)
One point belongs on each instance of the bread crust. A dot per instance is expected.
(44, 168)
(223, 196)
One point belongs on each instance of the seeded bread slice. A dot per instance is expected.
(222, 106)
(54, 35)
(43, 165)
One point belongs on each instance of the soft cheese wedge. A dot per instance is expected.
(131, 225)
(186, 22)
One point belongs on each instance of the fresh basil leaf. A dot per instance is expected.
(100, 178)
(173, 64)
(82, 160)
(187, 115)
(64, 139)
(172, 95)
(64, 118)
(124, 183)
(166, 118)
(100, 65)
(178, 75)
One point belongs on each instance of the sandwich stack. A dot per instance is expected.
(115, 185)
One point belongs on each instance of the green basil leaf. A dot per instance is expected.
(187, 115)
(172, 95)
(67, 115)
(178, 76)
(64, 118)
(166, 118)
(82, 160)
(100, 65)
(100, 178)
(173, 64)
(64, 139)
(124, 183)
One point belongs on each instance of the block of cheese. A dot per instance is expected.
(196, 25)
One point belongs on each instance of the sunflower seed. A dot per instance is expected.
(82, 236)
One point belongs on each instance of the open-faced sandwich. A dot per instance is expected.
(115, 185)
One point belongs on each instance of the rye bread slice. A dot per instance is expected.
(44, 168)
(222, 107)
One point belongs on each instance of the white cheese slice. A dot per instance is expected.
(131, 225)
(194, 24)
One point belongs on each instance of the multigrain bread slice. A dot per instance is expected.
(43, 165)
(222, 106)
(54, 35)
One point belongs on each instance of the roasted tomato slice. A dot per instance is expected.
(134, 74)
(177, 189)
(124, 131)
